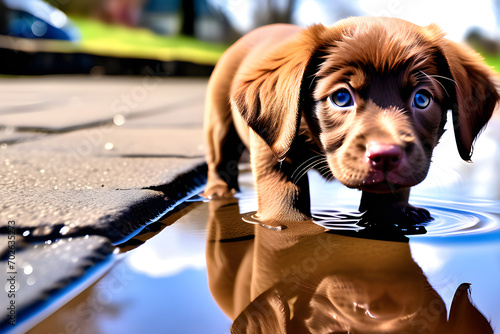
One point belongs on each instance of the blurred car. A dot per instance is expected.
(35, 19)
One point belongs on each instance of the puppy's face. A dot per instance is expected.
(379, 107)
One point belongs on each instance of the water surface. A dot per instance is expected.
(211, 267)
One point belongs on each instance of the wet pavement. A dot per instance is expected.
(88, 156)
(209, 267)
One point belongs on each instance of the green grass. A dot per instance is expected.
(492, 60)
(120, 41)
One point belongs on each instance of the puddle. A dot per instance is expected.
(212, 266)
(303, 280)
(214, 262)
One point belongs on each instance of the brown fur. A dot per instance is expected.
(271, 92)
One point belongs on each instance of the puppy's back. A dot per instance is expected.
(240, 57)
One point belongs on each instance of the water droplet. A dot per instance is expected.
(48, 242)
(26, 233)
(31, 280)
(109, 146)
(58, 18)
(251, 218)
(28, 269)
(42, 231)
(119, 119)
(39, 28)
(42, 171)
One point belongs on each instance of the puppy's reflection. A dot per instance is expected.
(304, 280)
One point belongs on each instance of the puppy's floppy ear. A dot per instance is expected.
(268, 94)
(473, 97)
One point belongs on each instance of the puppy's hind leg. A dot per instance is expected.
(224, 151)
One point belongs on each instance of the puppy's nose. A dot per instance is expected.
(384, 157)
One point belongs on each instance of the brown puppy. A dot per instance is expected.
(363, 101)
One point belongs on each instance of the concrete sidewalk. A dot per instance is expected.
(92, 156)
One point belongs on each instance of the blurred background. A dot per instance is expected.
(186, 37)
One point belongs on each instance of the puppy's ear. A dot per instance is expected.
(268, 94)
(473, 97)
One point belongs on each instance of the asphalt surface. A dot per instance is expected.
(85, 162)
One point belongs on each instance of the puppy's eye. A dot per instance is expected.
(342, 98)
(422, 99)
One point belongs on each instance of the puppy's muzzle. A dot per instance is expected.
(384, 157)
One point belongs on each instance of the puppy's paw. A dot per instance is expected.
(406, 214)
(218, 190)
(401, 215)
(416, 214)
(394, 222)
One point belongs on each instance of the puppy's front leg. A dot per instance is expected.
(224, 151)
(392, 206)
(279, 199)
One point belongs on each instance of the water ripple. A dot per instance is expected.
(449, 221)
